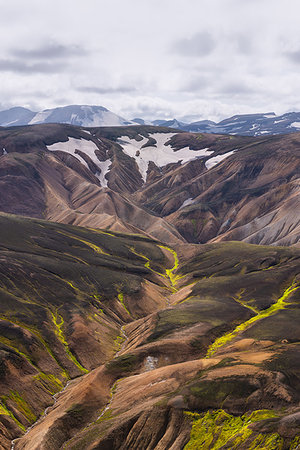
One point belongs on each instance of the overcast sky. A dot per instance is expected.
(192, 59)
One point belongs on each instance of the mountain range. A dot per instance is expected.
(84, 115)
(149, 288)
(98, 116)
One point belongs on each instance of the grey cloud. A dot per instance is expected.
(244, 44)
(108, 90)
(201, 44)
(293, 56)
(195, 84)
(236, 88)
(22, 67)
(49, 51)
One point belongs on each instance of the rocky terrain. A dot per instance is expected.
(137, 310)
(169, 185)
(175, 340)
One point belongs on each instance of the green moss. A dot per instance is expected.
(122, 364)
(170, 272)
(295, 443)
(23, 406)
(3, 411)
(58, 322)
(118, 343)
(50, 382)
(273, 309)
(218, 429)
(121, 300)
(7, 412)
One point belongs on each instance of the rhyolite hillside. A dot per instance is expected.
(149, 335)
(157, 323)
(163, 183)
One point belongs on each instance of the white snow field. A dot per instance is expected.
(217, 159)
(161, 155)
(87, 147)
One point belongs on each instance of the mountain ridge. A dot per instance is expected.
(93, 116)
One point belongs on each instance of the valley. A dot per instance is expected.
(150, 289)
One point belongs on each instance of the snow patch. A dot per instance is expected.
(295, 125)
(217, 159)
(87, 147)
(104, 166)
(161, 154)
(40, 117)
(4, 151)
(187, 202)
(7, 124)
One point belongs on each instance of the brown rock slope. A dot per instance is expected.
(55, 185)
(252, 195)
(210, 351)
(64, 294)
(238, 188)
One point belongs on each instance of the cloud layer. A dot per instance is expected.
(198, 60)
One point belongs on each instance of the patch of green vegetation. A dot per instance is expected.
(122, 364)
(295, 444)
(121, 300)
(3, 411)
(107, 415)
(22, 406)
(218, 429)
(273, 309)
(76, 410)
(50, 382)
(170, 272)
(59, 333)
(7, 412)
(118, 343)
(206, 394)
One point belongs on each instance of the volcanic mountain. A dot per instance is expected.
(169, 185)
(137, 310)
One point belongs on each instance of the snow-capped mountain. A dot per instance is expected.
(244, 125)
(98, 116)
(16, 116)
(81, 115)
(173, 123)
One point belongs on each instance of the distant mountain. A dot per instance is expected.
(244, 125)
(16, 116)
(173, 123)
(81, 115)
(98, 116)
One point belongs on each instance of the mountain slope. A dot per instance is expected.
(81, 115)
(65, 292)
(171, 185)
(206, 328)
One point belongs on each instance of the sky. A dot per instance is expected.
(154, 59)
